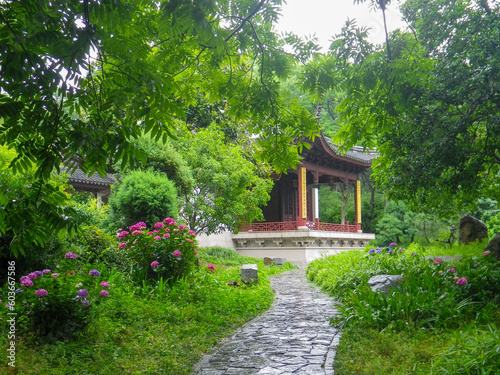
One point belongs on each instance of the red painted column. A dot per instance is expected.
(302, 191)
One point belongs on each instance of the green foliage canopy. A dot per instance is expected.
(430, 104)
(81, 79)
(230, 186)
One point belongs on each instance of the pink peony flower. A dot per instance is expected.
(169, 221)
(452, 270)
(177, 253)
(150, 233)
(486, 252)
(137, 232)
(122, 245)
(27, 282)
(70, 255)
(122, 234)
(157, 238)
(41, 292)
(195, 251)
(104, 293)
(461, 281)
(166, 235)
(104, 284)
(211, 267)
(155, 263)
(156, 231)
(437, 261)
(55, 275)
(159, 225)
(191, 233)
(183, 227)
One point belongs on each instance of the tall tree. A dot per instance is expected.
(81, 79)
(229, 187)
(431, 106)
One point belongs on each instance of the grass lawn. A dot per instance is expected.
(152, 330)
(436, 324)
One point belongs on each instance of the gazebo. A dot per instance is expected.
(291, 228)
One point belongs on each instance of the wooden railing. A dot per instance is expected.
(292, 225)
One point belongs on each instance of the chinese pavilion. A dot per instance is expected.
(292, 229)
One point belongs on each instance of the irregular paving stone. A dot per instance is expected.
(293, 337)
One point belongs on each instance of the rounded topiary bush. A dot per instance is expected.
(143, 195)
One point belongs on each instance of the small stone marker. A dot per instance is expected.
(279, 261)
(249, 272)
(268, 261)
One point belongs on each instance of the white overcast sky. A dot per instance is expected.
(325, 18)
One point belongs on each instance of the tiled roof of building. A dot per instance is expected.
(356, 153)
(82, 178)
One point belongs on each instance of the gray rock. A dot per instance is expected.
(249, 272)
(494, 246)
(279, 261)
(383, 283)
(471, 229)
(445, 258)
(268, 261)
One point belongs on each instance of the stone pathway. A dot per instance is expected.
(293, 337)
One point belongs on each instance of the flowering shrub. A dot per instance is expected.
(57, 304)
(167, 250)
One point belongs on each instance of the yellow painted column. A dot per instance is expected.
(358, 202)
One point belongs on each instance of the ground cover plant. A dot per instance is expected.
(444, 319)
(159, 326)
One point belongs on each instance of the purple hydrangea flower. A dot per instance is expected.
(39, 273)
(83, 293)
(393, 244)
(378, 250)
(27, 282)
(104, 284)
(104, 293)
(95, 273)
(122, 234)
(41, 292)
(45, 271)
(85, 302)
(169, 221)
(55, 275)
(371, 251)
(70, 255)
(17, 291)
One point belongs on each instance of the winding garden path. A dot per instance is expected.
(293, 337)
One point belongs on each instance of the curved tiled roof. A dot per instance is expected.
(357, 153)
(78, 176)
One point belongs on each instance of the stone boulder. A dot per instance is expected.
(471, 229)
(494, 246)
(268, 261)
(383, 283)
(279, 261)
